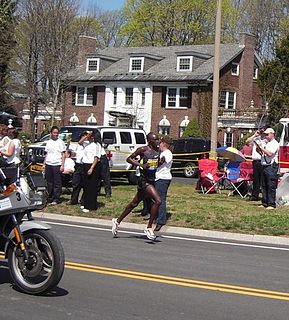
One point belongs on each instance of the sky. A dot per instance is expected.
(102, 4)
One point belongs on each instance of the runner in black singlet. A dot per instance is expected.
(148, 163)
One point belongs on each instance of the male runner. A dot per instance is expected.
(148, 162)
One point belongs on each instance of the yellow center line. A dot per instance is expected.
(184, 282)
(180, 281)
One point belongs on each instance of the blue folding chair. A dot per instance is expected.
(234, 179)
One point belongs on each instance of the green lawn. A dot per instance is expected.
(188, 208)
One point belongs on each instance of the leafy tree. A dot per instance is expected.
(192, 130)
(175, 22)
(7, 24)
(274, 82)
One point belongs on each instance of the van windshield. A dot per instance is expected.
(72, 132)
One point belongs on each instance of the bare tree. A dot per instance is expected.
(267, 19)
(47, 37)
(105, 26)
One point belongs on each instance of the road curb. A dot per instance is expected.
(228, 236)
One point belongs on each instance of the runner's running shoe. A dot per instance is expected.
(150, 234)
(114, 228)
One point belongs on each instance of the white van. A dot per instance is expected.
(120, 143)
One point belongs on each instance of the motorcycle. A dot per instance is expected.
(35, 255)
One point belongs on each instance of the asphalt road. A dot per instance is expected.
(170, 279)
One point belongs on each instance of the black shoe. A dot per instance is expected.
(158, 227)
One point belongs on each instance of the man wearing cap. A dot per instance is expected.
(269, 161)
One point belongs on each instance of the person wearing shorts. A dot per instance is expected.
(148, 162)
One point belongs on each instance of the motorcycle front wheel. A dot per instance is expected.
(45, 265)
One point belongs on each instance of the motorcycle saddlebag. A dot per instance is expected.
(36, 180)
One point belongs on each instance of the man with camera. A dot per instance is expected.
(269, 162)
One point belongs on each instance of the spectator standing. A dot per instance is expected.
(4, 139)
(7, 148)
(269, 161)
(104, 169)
(13, 135)
(258, 137)
(54, 165)
(163, 179)
(78, 175)
(7, 151)
(148, 162)
(91, 168)
(247, 150)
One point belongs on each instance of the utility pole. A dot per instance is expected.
(215, 102)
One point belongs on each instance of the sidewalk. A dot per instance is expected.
(166, 230)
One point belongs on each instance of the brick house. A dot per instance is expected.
(161, 88)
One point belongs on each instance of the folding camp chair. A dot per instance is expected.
(210, 179)
(246, 174)
(236, 181)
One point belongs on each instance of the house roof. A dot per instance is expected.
(162, 69)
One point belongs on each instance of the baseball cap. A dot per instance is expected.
(269, 130)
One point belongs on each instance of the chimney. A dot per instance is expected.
(86, 45)
(248, 40)
(246, 69)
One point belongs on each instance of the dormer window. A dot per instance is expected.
(185, 63)
(136, 64)
(235, 69)
(92, 65)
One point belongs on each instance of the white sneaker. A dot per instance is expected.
(150, 234)
(114, 228)
(81, 207)
(85, 210)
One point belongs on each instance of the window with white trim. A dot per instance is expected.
(185, 63)
(129, 96)
(177, 98)
(228, 139)
(227, 99)
(164, 130)
(255, 73)
(136, 64)
(84, 96)
(92, 65)
(235, 69)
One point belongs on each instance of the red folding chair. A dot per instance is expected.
(246, 173)
(210, 179)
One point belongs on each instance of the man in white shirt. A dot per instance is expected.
(269, 162)
(163, 179)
